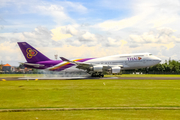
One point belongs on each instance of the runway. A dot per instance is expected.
(96, 108)
(84, 78)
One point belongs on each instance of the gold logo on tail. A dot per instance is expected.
(31, 53)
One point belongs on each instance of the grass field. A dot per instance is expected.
(123, 75)
(90, 93)
(144, 75)
(93, 115)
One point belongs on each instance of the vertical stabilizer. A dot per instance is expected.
(31, 54)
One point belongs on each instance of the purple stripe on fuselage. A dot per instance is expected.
(64, 67)
(70, 64)
(50, 63)
(86, 59)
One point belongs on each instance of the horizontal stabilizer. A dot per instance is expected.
(33, 65)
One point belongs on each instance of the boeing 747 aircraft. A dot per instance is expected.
(94, 66)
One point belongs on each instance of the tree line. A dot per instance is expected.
(169, 67)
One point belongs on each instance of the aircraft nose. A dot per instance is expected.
(159, 60)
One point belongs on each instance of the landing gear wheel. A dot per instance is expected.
(147, 70)
(93, 75)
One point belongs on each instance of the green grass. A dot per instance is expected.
(143, 75)
(123, 75)
(93, 115)
(90, 93)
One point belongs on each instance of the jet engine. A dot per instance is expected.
(116, 69)
(97, 68)
(112, 69)
(100, 68)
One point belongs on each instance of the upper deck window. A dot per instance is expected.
(124, 56)
(138, 55)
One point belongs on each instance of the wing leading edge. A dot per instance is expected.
(80, 65)
(89, 67)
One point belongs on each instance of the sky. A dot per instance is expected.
(86, 29)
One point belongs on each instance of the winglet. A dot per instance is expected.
(64, 59)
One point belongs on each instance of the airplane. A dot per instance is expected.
(94, 66)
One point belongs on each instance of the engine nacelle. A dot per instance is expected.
(98, 68)
(116, 69)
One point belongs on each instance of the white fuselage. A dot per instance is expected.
(129, 61)
(125, 61)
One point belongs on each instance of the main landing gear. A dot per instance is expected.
(97, 75)
(147, 70)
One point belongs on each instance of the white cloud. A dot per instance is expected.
(152, 27)
(70, 29)
(58, 34)
(160, 35)
(146, 15)
(89, 37)
(116, 25)
(74, 6)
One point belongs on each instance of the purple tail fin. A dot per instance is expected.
(31, 54)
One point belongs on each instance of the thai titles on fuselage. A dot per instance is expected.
(134, 58)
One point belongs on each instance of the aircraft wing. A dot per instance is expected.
(86, 66)
(80, 65)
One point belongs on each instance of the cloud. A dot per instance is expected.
(40, 35)
(70, 29)
(150, 26)
(57, 34)
(160, 35)
(2, 21)
(56, 10)
(10, 52)
(146, 15)
(116, 25)
(73, 6)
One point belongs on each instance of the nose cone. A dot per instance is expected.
(154, 60)
(159, 60)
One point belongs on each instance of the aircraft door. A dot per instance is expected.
(144, 61)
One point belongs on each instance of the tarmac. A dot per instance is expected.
(96, 108)
(84, 78)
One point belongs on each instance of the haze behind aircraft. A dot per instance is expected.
(94, 66)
